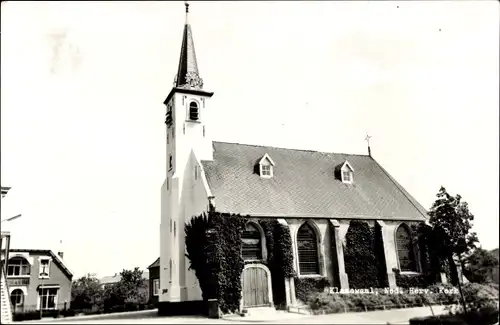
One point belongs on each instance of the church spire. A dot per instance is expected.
(187, 73)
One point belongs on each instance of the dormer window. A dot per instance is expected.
(345, 172)
(266, 166)
(194, 111)
(346, 176)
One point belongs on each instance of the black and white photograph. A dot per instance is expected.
(225, 162)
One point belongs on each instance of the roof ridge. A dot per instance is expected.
(295, 149)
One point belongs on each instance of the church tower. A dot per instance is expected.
(187, 134)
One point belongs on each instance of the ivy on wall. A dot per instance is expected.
(213, 245)
(279, 257)
(359, 256)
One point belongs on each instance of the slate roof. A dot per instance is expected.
(304, 184)
(155, 264)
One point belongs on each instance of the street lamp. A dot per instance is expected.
(41, 290)
(12, 218)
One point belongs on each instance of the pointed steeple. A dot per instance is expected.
(187, 74)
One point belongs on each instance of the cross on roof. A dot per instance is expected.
(367, 139)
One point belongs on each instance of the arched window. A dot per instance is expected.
(307, 245)
(193, 111)
(252, 245)
(18, 266)
(17, 297)
(404, 246)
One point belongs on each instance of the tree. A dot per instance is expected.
(130, 290)
(86, 293)
(479, 266)
(452, 223)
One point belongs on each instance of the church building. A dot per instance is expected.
(316, 194)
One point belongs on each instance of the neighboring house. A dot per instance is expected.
(315, 194)
(110, 280)
(154, 281)
(38, 278)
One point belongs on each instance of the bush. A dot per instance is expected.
(324, 302)
(304, 287)
(478, 297)
(27, 315)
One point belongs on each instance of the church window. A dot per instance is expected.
(307, 246)
(193, 111)
(252, 243)
(405, 250)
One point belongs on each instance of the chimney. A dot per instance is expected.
(61, 254)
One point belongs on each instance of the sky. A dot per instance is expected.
(82, 114)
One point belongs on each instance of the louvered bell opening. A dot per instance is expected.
(193, 111)
(308, 251)
(251, 249)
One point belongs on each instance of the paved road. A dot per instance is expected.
(398, 316)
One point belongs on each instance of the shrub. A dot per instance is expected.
(478, 296)
(304, 287)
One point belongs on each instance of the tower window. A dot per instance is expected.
(169, 118)
(170, 162)
(193, 111)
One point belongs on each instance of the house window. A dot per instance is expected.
(17, 297)
(252, 246)
(307, 245)
(156, 287)
(404, 247)
(48, 298)
(193, 111)
(44, 268)
(266, 171)
(18, 266)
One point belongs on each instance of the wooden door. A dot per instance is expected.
(255, 287)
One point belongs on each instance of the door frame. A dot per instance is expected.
(269, 283)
